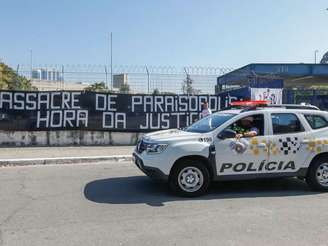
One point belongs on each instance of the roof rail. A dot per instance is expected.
(293, 106)
(255, 104)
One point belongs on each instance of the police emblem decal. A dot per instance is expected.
(289, 145)
(239, 146)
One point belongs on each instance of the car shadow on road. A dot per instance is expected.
(141, 189)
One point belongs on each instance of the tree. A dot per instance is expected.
(97, 87)
(187, 86)
(168, 93)
(324, 59)
(125, 88)
(156, 92)
(10, 80)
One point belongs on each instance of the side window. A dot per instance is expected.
(249, 123)
(286, 123)
(316, 121)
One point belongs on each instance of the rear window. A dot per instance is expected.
(283, 123)
(316, 121)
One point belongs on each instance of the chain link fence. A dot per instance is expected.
(139, 79)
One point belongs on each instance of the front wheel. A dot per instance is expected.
(190, 178)
(317, 177)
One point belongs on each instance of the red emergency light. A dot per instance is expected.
(251, 103)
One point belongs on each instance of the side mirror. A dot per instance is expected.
(226, 133)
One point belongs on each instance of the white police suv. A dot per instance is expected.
(291, 140)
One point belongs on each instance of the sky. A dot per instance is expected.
(225, 33)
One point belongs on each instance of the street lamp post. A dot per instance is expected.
(111, 61)
(31, 62)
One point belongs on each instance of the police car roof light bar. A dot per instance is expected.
(251, 103)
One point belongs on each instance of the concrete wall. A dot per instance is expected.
(67, 137)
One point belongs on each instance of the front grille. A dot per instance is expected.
(141, 146)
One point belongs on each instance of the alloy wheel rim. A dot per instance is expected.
(190, 179)
(322, 174)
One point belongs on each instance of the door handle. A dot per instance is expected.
(261, 145)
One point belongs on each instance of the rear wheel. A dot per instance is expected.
(190, 178)
(317, 177)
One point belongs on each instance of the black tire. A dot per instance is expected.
(196, 165)
(313, 173)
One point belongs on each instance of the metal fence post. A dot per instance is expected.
(62, 83)
(148, 78)
(106, 77)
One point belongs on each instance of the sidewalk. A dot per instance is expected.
(63, 155)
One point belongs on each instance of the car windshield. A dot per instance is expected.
(209, 123)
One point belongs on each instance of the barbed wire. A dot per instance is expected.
(101, 68)
(144, 78)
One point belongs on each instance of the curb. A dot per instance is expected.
(62, 160)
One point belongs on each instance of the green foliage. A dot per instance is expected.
(187, 87)
(10, 80)
(168, 93)
(125, 88)
(324, 59)
(156, 92)
(97, 87)
(101, 87)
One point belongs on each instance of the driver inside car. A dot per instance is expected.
(245, 128)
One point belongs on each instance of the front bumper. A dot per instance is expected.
(151, 172)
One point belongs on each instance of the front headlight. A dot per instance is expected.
(155, 148)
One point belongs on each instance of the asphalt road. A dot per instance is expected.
(114, 204)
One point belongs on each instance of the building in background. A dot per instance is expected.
(51, 79)
(292, 83)
(46, 85)
(119, 80)
(46, 74)
(290, 75)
